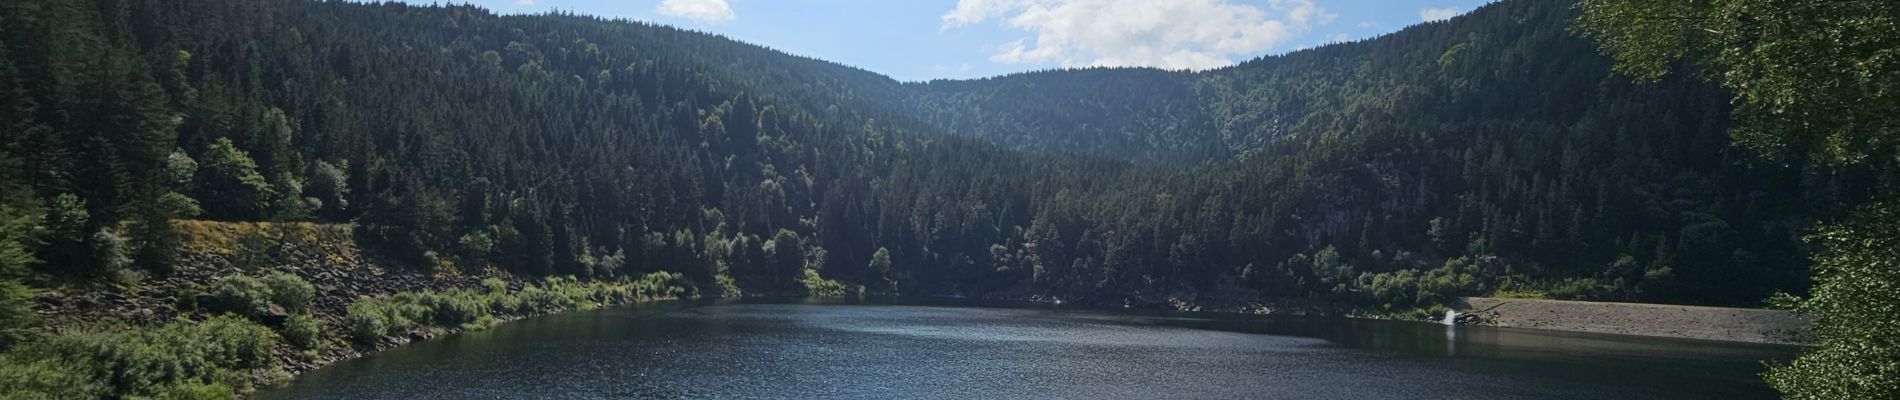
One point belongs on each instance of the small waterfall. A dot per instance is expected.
(1451, 317)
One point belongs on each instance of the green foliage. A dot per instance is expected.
(495, 285)
(816, 285)
(1811, 80)
(67, 224)
(1418, 289)
(229, 184)
(290, 291)
(111, 252)
(664, 285)
(1333, 275)
(113, 362)
(252, 297)
(454, 308)
(485, 322)
(367, 321)
(180, 170)
(881, 264)
(36, 377)
(726, 286)
(329, 186)
(303, 331)
(237, 343)
(1645, 37)
(1519, 294)
(76, 246)
(238, 294)
(1809, 76)
(16, 309)
(198, 391)
(179, 205)
(370, 319)
(18, 230)
(1855, 354)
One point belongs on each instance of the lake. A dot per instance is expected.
(953, 349)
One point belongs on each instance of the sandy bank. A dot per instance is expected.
(1692, 322)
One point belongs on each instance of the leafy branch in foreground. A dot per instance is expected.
(1856, 355)
(1812, 79)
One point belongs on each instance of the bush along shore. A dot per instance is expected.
(258, 303)
(257, 332)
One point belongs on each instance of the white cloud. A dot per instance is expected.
(1174, 34)
(1438, 14)
(975, 11)
(703, 11)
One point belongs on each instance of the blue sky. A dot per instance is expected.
(930, 39)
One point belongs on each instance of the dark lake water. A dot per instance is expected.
(910, 348)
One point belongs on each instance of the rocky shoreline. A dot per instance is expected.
(326, 256)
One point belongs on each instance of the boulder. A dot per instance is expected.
(274, 316)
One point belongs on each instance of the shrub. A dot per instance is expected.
(290, 291)
(179, 205)
(495, 285)
(534, 299)
(483, 323)
(727, 286)
(365, 327)
(118, 361)
(237, 343)
(239, 294)
(816, 285)
(502, 302)
(128, 362)
(1579, 289)
(303, 331)
(16, 310)
(1520, 294)
(456, 308)
(1854, 355)
(372, 318)
(111, 253)
(198, 391)
(46, 379)
(406, 310)
(666, 285)
(368, 323)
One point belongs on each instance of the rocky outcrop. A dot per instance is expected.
(326, 255)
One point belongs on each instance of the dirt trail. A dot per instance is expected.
(1692, 322)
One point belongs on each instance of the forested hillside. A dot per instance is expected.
(1492, 152)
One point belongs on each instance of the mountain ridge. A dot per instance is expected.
(1492, 152)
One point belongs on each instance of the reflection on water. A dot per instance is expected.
(1451, 339)
(912, 348)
